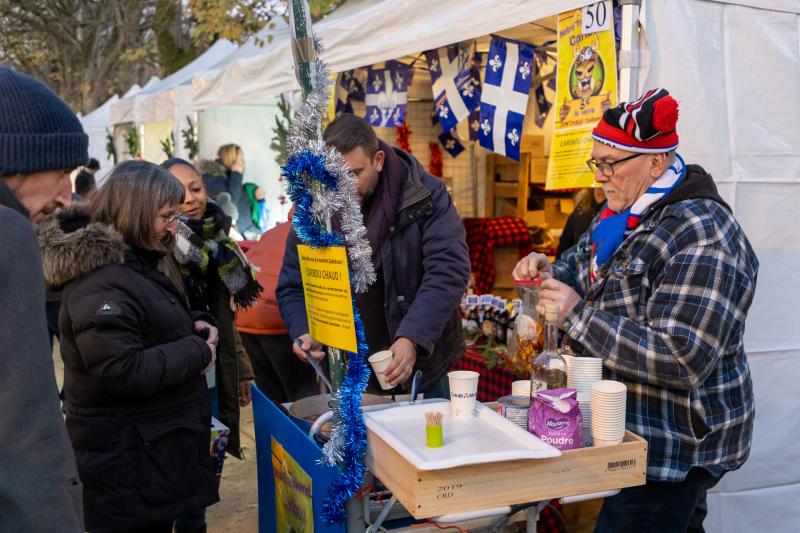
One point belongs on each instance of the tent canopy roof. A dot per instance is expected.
(365, 32)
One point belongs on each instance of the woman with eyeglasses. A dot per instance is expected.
(135, 356)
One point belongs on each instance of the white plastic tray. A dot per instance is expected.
(487, 438)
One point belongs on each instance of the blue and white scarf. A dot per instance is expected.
(614, 227)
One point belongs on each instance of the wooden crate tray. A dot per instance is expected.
(472, 487)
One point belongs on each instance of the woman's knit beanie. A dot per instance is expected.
(38, 131)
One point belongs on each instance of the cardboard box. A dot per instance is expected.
(555, 213)
(533, 144)
(538, 170)
(505, 259)
(429, 493)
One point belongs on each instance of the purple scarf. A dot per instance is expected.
(385, 201)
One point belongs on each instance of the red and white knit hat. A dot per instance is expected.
(645, 126)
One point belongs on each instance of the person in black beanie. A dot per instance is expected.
(84, 181)
(41, 143)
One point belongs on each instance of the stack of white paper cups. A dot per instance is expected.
(608, 412)
(582, 373)
(521, 388)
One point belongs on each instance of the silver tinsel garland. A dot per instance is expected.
(344, 200)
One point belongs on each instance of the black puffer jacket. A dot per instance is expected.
(139, 413)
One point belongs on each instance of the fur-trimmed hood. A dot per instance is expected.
(212, 168)
(72, 246)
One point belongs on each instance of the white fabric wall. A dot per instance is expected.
(96, 124)
(736, 72)
(249, 126)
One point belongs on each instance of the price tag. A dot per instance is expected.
(597, 17)
(486, 299)
(473, 299)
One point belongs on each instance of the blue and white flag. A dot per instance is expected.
(506, 86)
(387, 94)
(456, 82)
(474, 124)
(349, 89)
(448, 140)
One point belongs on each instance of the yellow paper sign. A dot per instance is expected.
(326, 285)
(586, 85)
(293, 495)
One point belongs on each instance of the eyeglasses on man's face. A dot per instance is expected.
(606, 168)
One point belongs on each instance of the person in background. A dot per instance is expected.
(212, 275)
(421, 259)
(587, 205)
(280, 375)
(224, 179)
(42, 143)
(135, 357)
(659, 288)
(85, 180)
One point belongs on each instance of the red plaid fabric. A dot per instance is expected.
(493, 383)
(486, 234)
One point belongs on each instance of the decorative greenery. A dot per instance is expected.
(111, 148)
(168, 145)
(281, 130)
(190, 142)
(133, 142)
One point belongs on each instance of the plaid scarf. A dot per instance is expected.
(614, 227)
(203, 244)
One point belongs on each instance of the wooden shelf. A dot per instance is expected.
(505, 190)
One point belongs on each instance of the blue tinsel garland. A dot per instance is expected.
(301, 169)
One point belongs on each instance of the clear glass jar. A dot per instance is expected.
(527, 328)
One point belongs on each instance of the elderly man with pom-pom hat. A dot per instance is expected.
(659, 288)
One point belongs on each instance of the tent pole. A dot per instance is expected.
(629, 51)
(304, 58)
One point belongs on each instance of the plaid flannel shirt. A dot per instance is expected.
(667, 315)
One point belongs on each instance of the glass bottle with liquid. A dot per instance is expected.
(549, 368)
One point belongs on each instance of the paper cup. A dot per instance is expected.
(599, 443)
(463, 392)
(379, 362)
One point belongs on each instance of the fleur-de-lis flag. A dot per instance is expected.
(456, 82)
(387, 94)
(504, 99)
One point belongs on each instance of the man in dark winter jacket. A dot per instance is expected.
(420, 256)
(659, 288)
(41, 143)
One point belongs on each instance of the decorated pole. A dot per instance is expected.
(304, 58)
(321, 184)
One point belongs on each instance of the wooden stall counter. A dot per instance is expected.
(430, 493)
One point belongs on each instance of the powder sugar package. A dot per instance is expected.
(555, 417)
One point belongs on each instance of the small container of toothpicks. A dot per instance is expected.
(434, 437)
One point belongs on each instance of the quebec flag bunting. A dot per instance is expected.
(350, 88)
(448, 140)
(387, 94)
(506, 86)
(456, 81)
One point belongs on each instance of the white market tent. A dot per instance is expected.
(96, 125)
(734, 65)
(247, 124)
(162, 108)
(118, 128)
